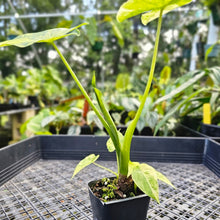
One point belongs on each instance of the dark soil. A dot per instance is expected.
(108, 189)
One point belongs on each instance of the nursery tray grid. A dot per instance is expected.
(45, 190)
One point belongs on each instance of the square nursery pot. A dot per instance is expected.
(15, 158)
(129, 208)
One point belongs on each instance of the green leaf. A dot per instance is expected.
(46, 121)
(165, 75)
(152, 119)
(130, 104)
(145, 177)
(117, 117)
(91, 30)
(116, 30)
(43, 133)
(176, 108)
(135, 7)
(85, 162)
(65, 23)
(94, 80)
(110, 144)
(161, 177)
(92, 117)
(208, 51)
(196, 76)
(47, 36)
(34, 124)
(122, 81)
(74, 130)
(214, 73)
(141, 123)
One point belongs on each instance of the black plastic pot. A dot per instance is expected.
(98, 46)
(13, 106)
(216, 13)
(123, 209)
(210, 130)
(5, 107)
(34, 101)
(192, 122)
(5, 136)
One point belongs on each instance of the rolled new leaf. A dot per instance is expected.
(112, 130)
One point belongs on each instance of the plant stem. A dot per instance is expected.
(81, 87)
(132, 126)
(105, 168)
(108, 126)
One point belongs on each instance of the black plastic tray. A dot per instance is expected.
(44, 190)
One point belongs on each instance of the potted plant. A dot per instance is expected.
(138, 180)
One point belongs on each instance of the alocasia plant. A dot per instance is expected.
(143, 175)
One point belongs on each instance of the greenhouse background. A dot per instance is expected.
(38, 96)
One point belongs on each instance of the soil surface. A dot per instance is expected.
(108, 189)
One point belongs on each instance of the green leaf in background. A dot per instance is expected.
(85, 162)
(209, 50)
(176, 108)
(122, 81)
(64, 23)
(54, 74)
(115, 29)
(93, 118)
(141, 124)
(135, 7)
(91, 30)
(145, 177)
(130, 104)
(165, 75)
(196, 76)
(214, 74)
(46, 121)
(74, 130)
(151, 119)
(117, 117)
(43, 133)
(33, 124)
(47, 36)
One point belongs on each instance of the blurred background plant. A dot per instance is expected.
(119, 53)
